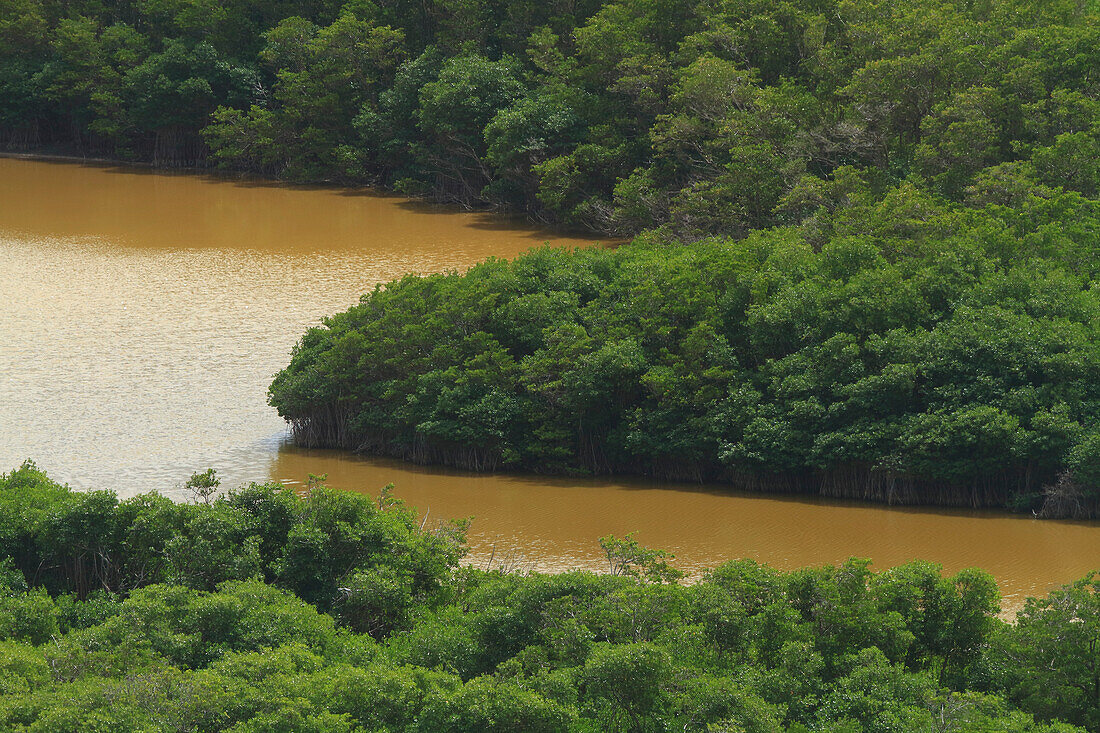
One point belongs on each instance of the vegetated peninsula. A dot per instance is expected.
(928, 368)
(260, 610)
(867, 267)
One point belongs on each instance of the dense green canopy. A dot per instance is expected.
(704, 116)
(903, 349)
(262, 611)
(867, 266)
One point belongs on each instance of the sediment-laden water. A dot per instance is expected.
(144, 314)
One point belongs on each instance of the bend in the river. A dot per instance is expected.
(146, 312)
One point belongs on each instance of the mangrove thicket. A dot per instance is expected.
(260, 610)
(902, 349)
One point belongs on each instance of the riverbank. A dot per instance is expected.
(504, 216)
(841, 370)
(857, 481)
(70, 157)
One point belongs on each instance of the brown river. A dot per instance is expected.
(144, 313)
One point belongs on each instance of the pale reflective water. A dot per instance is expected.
(143, 315)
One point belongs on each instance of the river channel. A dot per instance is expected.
(143, 314)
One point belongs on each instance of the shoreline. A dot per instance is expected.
(854, 483)
(73, 158)
(230, 175)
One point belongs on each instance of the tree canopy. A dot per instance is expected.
(702, 118)
(903, 349)
(332, 612)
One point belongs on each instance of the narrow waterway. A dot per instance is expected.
(144, 314)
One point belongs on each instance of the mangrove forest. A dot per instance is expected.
(265, 610)
(849, 248)
(904, 350)
(865, 233)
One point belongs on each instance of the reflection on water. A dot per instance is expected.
(145, 313)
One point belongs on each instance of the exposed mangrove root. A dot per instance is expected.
(330, 427)
(1066, 499)
(21, 137)
(178, 147)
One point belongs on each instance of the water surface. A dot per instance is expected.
(144, 314)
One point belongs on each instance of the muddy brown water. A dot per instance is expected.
(144, 313)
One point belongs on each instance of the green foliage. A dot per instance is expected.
(1049, 661)
(626, 557)
(28, 616)
(203, 485)
(82, 543)
(905, 350)
(624, 684)
(619, 115)
(408, 641)
(492, 706)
